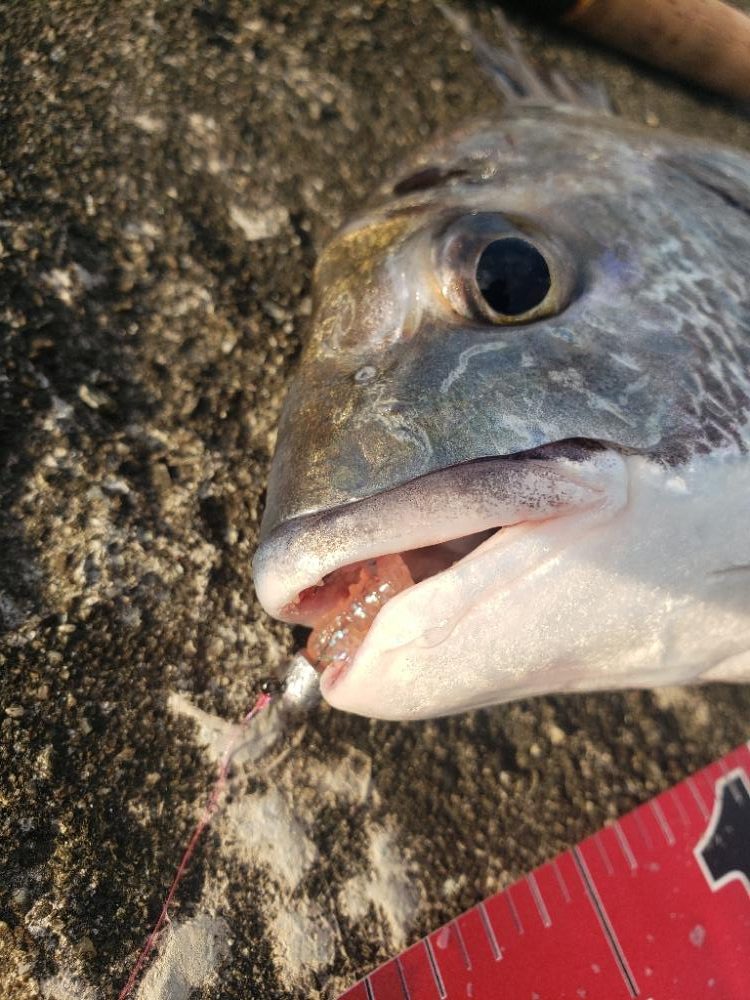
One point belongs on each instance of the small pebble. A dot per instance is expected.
(555, 734)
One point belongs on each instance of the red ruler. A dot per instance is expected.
(657, 906)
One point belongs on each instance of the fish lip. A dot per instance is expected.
(287, 548)
(288, 544)
(334, 673)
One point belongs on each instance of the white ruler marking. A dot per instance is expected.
(625, 847)
(666, 829)
(513, 911)
(561, 882)
(490, 932)
(674, 795)
(599, 841)
(462, 943)
(540, 904)
(643, 831)
(697, 796)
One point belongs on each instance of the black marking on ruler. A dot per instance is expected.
(625, 847)
(561, 882)
(462, 943)
(696, 795)
(536, 892)
(489, 930)
(402, 979)
(657, 810)
(368, 989)
(435, 970)
(733, 784)
(722, 851)
(605, 923)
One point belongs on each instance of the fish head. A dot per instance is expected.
(488, 340)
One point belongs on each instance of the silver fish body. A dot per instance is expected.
(541, 325)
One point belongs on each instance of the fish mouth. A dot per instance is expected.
(336, 571)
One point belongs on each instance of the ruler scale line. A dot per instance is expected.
(435, 970)
(675, 798)
(462, 944)
(369, 989)
(541, 906)
(625, 847)
(603, 853)
(702, 776)
(402, 980)
(662, 821)
(698, 797)
(561, 881)
(606, 925)
(513, 911)
(646, 836)
(497, 951)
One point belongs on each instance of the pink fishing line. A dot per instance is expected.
(208, 813)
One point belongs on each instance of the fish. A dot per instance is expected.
(515, 456)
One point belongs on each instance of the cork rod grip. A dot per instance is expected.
(703, 40)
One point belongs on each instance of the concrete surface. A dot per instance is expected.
(167, 172)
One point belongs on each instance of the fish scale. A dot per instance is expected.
(656, 906)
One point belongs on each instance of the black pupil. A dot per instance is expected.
(512, 276)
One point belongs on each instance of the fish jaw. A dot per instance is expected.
(439, 507)
(432, 649)
(614, 595)
(297, 569)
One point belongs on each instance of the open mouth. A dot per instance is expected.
(334, 571)
(342, 608)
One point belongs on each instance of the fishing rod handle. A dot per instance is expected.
(706, 41)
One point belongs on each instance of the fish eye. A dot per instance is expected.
(512, 276)
(501, 270)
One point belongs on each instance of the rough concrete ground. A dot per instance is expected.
(167, 173)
